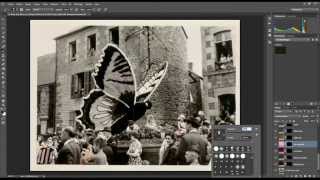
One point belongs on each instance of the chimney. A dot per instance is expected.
(190, 66)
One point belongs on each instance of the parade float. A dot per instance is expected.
(116, 99)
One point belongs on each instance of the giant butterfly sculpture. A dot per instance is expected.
(116, 98)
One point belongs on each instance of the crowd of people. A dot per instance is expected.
(188, 144)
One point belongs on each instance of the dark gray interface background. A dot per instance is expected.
(254, 90)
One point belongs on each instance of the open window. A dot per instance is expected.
(81, 84)
(73, 51)
(114, 35)
(224, 54)
(91, 44)
(227, 106)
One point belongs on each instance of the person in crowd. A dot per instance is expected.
(39, 141)
(132, 126)
(108, 151)
(232, 119)
(55, 140)
(178, 136)
(170, 152)
(202, 116)
(99, 157)
(70, 151)
(205, 128)
(51, 145)
(162, 149)
(182, 124)
(135, 149)
(46, 153)
(86, 153)
(192, 137)
(209, 148)
(151, 123)
(223, 58)
(107, 146)
(229, 58)
(89, 136)
(145, 162)
(192, 155)
(163, 129)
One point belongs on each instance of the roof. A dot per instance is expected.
(194, 76)
(72, 32)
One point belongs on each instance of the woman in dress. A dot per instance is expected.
(151, 123)
(182, 124)
(135, 149)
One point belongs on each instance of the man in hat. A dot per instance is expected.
(193, 137)
(70, 152)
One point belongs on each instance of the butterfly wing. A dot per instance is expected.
(114, 73)
(100, 111)
(151, 83)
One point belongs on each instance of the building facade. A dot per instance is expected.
(219, 72)
(46, 94)
(78, 51)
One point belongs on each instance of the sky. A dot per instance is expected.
(43, 41)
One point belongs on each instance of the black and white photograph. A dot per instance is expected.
(131, 95)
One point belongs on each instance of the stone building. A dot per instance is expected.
(219, 72)
(46, 94)
(79, 50)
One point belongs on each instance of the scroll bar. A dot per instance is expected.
(318, 164)
(318, 154)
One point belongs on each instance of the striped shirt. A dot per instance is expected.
(45, 155)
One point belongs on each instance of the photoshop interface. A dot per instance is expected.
(160, 89)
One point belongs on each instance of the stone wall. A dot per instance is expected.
(165, 44)
(66, 68)
(220, 81)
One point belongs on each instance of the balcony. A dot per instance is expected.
(224, 64)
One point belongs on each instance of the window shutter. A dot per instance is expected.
(86, 83)
(72, 118)
(72, 86)
(92, 85)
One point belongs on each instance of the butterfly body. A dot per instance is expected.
(116, 99)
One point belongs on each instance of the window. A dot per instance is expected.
(73, 115)
(114, 35)
(212, 105)
(224, 51)
(209, 68)
(81, 84)
(208, 56)
(224, 55)
(91, 45)
(227, 103)
(212, 118)
(73, 50)
(222, 36)
(211, 92)
(208, 44)
(206, 32)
